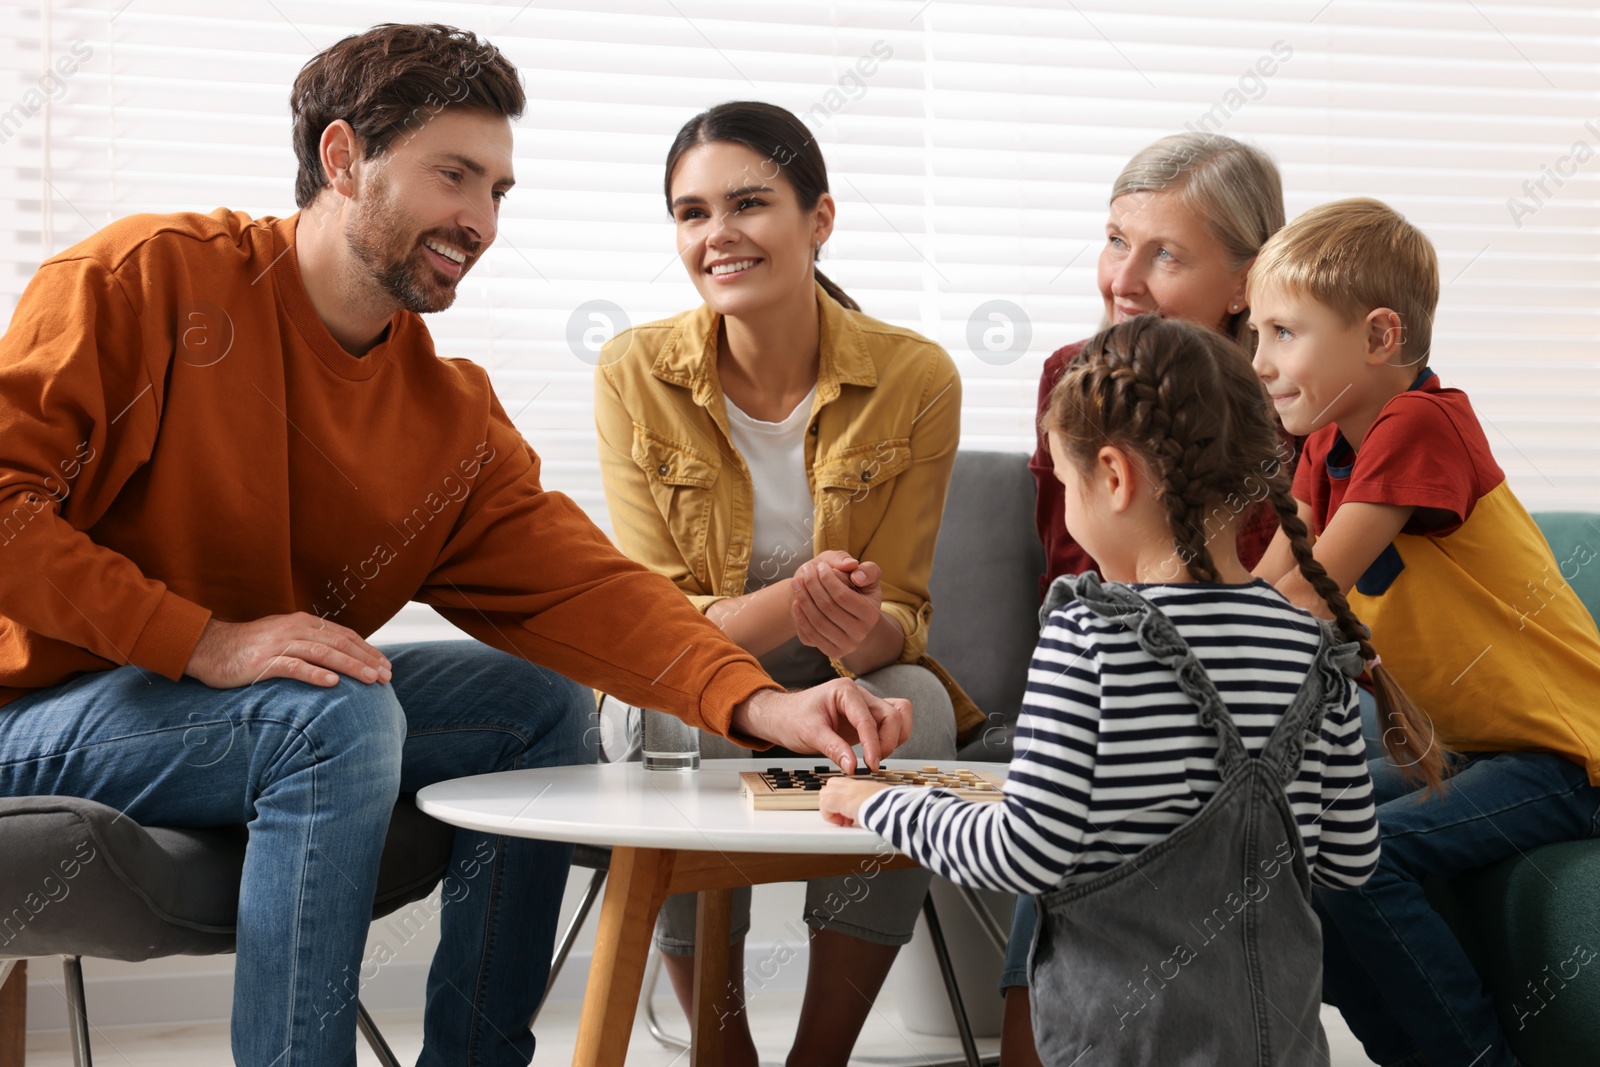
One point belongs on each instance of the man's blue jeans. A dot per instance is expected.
(314, 773)
(1390, 963)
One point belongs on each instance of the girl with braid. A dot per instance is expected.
(1189, 759)
(1185, 218)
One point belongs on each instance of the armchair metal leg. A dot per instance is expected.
(969, 1047)
(652, 975)
(77, 1006)
(369, 1030)
(597, 882)
(77, 1010)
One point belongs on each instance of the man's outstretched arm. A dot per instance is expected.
(526, 571)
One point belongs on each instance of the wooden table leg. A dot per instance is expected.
(639, 882)
(14, 1016)
(635, 890)
(713, 916)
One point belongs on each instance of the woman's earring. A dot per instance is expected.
(1236, 307)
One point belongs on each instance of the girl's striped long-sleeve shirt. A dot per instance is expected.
(1111, 756)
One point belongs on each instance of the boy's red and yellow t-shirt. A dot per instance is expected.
(1468, 606)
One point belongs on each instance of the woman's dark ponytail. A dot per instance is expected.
(833, 290)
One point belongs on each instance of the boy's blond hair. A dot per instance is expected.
(1353, 256)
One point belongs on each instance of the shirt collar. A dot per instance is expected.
(689, 358)
(1341, 457)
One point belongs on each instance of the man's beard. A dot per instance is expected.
(380, 239)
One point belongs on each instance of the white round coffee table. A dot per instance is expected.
(670, 832)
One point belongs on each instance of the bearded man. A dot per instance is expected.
(230, 453)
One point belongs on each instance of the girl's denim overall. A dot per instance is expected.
(1203, 948)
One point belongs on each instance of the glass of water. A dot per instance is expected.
(670, 744)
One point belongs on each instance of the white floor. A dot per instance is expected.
(885, 1042)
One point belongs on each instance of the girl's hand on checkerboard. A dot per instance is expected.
(836, 601)
(842, 798)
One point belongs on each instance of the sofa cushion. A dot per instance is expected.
(1528, 925)
(1574, 538)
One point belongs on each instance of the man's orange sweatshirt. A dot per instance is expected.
(181, 438)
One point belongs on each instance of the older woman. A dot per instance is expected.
(1187, 216)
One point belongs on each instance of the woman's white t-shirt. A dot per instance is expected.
(776, 455)
(781, 539)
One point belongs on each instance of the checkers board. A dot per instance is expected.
(789, 789)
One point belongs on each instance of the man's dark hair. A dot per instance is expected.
(389, 82)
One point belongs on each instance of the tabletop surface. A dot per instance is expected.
(623, 804)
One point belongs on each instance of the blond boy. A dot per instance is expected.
(1415, 521)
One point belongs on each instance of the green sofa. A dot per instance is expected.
(1532, 924)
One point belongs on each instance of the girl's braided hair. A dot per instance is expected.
(1183, 403)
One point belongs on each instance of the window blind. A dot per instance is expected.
(970, 145)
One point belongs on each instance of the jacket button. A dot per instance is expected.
(662, 470)
(813, 429)
(866, 476)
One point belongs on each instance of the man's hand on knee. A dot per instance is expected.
(829, 719)
(300, 646)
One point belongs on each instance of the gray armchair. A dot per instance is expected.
(81, 879)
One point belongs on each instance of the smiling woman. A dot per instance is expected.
(756, 143)
(1187, 215)
(784, 459)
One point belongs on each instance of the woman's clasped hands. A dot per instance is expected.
(835, 602)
